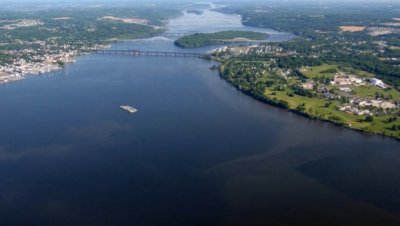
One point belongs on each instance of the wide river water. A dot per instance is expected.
(198, 152)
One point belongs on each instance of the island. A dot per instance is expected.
(206, 39)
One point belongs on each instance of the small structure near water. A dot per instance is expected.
(128, 108)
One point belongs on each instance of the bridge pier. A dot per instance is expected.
(149, 53)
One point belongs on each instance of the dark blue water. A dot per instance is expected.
(198, 152)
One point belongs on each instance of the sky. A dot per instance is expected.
(4, 4)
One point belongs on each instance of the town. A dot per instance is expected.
(34, 61)
(32, 46)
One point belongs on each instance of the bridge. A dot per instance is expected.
(173, 34)
(134, 52)
(176, 34)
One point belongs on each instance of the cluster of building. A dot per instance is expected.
(359, 106)
(284, 72)
(44, 57)
(355, 111)
(265, 49)
(342, 80)
(19, 68)
(376, 31)
(228, 51)
(126, 20)
(32, 61)
(373, 103)
(307, 85)
(355, 105)
(386, 28)
(22, 23)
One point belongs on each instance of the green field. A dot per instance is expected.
(322, 71)
(329, 71)
(359, 73)
(372, 91)
(315, 108)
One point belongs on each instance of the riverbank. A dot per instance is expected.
(51, 60)
(31, 46)
(302, 102)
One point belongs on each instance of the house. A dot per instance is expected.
(355, 111)
(355, 79)
(322, 89)
(377, 104)
(342, 81)
(307, 85)
(345, 89)
(378, 83)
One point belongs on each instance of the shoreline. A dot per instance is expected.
(52, 65)
(265, 100)
(269, 102)
(22, 69)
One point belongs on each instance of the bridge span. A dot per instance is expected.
(173, 34)
(134, 52)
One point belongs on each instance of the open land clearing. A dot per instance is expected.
(352, 28)
(126, 20)
(62, 18)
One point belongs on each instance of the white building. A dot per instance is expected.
(377, 82)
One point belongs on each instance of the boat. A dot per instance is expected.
(128, 108)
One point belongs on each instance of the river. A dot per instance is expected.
(198, 152)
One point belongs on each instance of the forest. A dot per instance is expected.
(206, 39)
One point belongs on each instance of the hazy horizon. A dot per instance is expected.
(37, 4)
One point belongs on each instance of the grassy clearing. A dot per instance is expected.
(316, 108)
(359, 73)
(322, 71)
(329, 71)
(372, 91)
